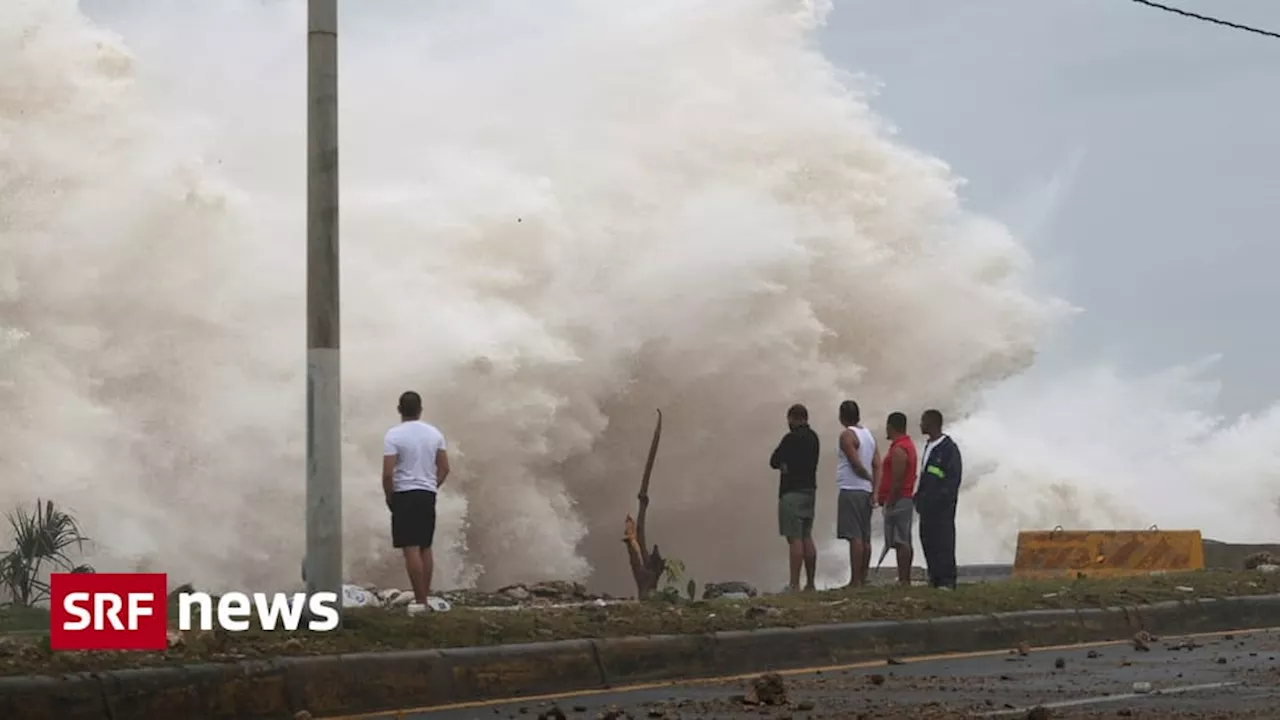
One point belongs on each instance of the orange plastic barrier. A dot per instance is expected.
(1096, 553)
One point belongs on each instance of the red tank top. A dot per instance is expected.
(886, 470)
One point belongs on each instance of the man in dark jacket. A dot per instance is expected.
(936, 493)
(796, 460)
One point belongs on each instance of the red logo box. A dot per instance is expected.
(108, 611)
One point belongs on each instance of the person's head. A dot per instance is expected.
(895, 425)
(797, 416)
(931, 423)
(410, 406)
(849, 413)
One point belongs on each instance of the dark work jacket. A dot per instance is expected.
(799, 452)
(940, 477)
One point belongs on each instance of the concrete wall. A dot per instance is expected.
(1230, 556)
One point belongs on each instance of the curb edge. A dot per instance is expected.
(332, 685)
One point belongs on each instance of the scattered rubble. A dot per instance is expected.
(17, 649)
(354, 596)
(768, 689)
(552, 713)
(394, 598)
(551, 592)
(734, 589)
(544, 594)
(1259, 559)
(1142, 641)
(757, 612)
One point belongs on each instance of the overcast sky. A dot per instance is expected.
(1153, 138)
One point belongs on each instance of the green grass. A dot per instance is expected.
(377, 629)
(20, 619)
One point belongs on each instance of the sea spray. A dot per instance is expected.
(557, 217)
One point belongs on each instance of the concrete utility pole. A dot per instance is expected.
(323, 562)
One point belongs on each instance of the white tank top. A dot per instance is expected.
(846, 478)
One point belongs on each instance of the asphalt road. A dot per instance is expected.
(1217, 676)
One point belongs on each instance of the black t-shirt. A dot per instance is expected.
(798, 452)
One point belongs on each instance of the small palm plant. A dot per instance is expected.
(42, 540)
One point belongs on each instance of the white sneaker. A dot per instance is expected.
(416, 608)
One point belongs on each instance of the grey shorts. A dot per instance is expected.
(897, 522)
(795, 515)
(853, 515)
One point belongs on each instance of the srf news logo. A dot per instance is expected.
(130, 611)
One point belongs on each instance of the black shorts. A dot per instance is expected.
(413, 518)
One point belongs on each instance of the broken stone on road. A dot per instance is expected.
(768, 689)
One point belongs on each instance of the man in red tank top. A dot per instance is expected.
(897, 487)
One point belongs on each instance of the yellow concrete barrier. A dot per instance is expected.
(1096, 553)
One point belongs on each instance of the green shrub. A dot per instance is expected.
(41, 543)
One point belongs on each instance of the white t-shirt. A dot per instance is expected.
(846, 478)
(415, 444)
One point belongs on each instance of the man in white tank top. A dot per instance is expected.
(857, 477)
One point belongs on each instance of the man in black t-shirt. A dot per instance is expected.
(796, 460)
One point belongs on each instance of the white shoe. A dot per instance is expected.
(416, 608)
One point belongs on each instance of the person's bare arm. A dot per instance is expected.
(849, 446)
(897, 473)
(442, 467)
(875, 473)
(388, 472)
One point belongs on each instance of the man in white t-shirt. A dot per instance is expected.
(414, 468)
